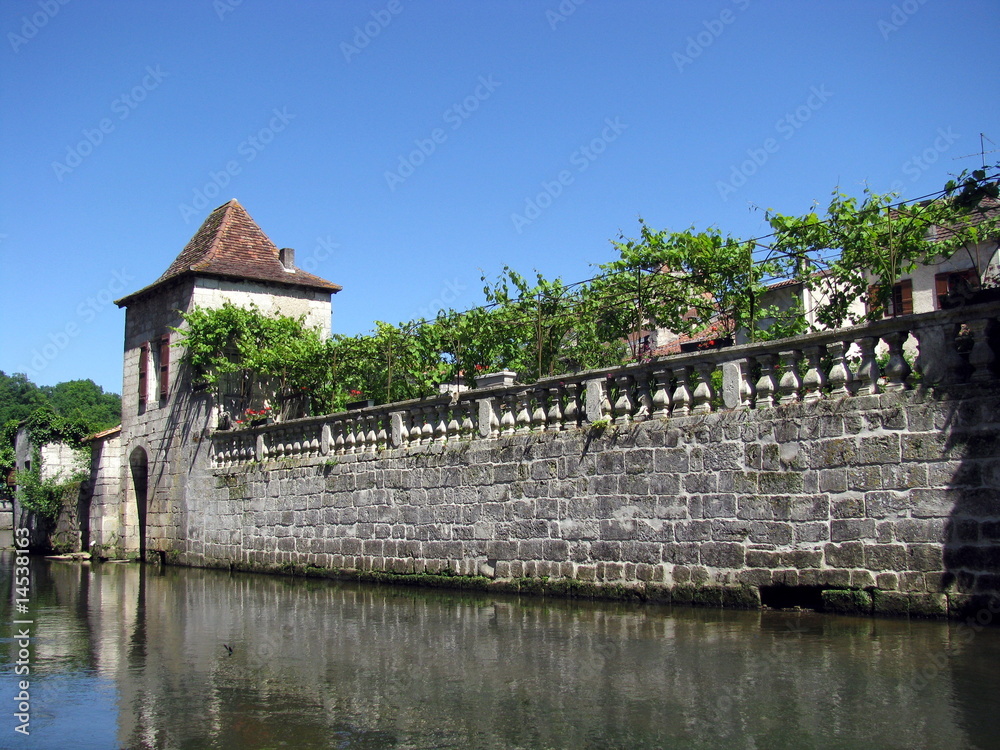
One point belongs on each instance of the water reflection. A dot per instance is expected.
(133, 657)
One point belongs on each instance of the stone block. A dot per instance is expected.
(693, 531)
(730, 531)
(723, 555)
(924, 557)
(927, 605)
(833, 480)
(848, 530)
(811, 532)
(769, 532)
(847, 555)
(779, 482)
(879, 557)
(847, 601)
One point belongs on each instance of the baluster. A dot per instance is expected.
(538, 413)
(682, 394)
(524, 414)
(841, 378)
(938, 361)
(624, 405)
(555, 415)
(297, 446)
(868, 374)
(703, 391)
(427, 427)
(468, 427)
(643, 397)
(661, 392)
(508, 422)
(897, 369)
(790, 382)
(371, 437)
(571, 414)
(982, 357)
(404, 429)
(814, 380)
(350, 439)
(766, 387)
(339, 439)
(453, 425)
(441, 423)
(382, 437)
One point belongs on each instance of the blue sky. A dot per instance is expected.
(405, 146)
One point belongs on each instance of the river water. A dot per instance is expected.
(130, 656)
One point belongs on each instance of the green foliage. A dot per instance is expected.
(46, 497)
(260, 361)
(86, 402)
(18, 397)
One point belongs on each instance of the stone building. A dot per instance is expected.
(140, 470)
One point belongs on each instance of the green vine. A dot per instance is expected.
(46, 497)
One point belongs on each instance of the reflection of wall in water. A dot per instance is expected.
(388, 664)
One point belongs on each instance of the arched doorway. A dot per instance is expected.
(139, 466)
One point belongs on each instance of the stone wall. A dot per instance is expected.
(890, 502)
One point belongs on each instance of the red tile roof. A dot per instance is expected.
(231, 245)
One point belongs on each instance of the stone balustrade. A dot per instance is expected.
(950, 347)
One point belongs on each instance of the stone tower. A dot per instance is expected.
(164, 419)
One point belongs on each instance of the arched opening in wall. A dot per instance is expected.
(139, 466)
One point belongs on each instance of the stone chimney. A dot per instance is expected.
(287, 257)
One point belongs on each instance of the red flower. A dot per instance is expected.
(354, 393)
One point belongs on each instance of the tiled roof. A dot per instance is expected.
(103, 434)
(231, 245)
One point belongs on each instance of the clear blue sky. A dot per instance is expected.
(313, 115)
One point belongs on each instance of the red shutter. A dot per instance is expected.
(874, 304)
(902, 298)
(143, 374)
(941, 288)
(164, 366)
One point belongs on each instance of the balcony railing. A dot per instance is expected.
(929, 350)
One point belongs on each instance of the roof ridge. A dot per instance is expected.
(227, 219)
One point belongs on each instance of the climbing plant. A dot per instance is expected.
(46, 496)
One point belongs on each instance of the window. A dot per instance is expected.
(900, 302)
(143, 376)
(164, 366)
(954, 283)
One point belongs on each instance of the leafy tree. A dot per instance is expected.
(18, 397)
(258, 361)
(86, 401)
